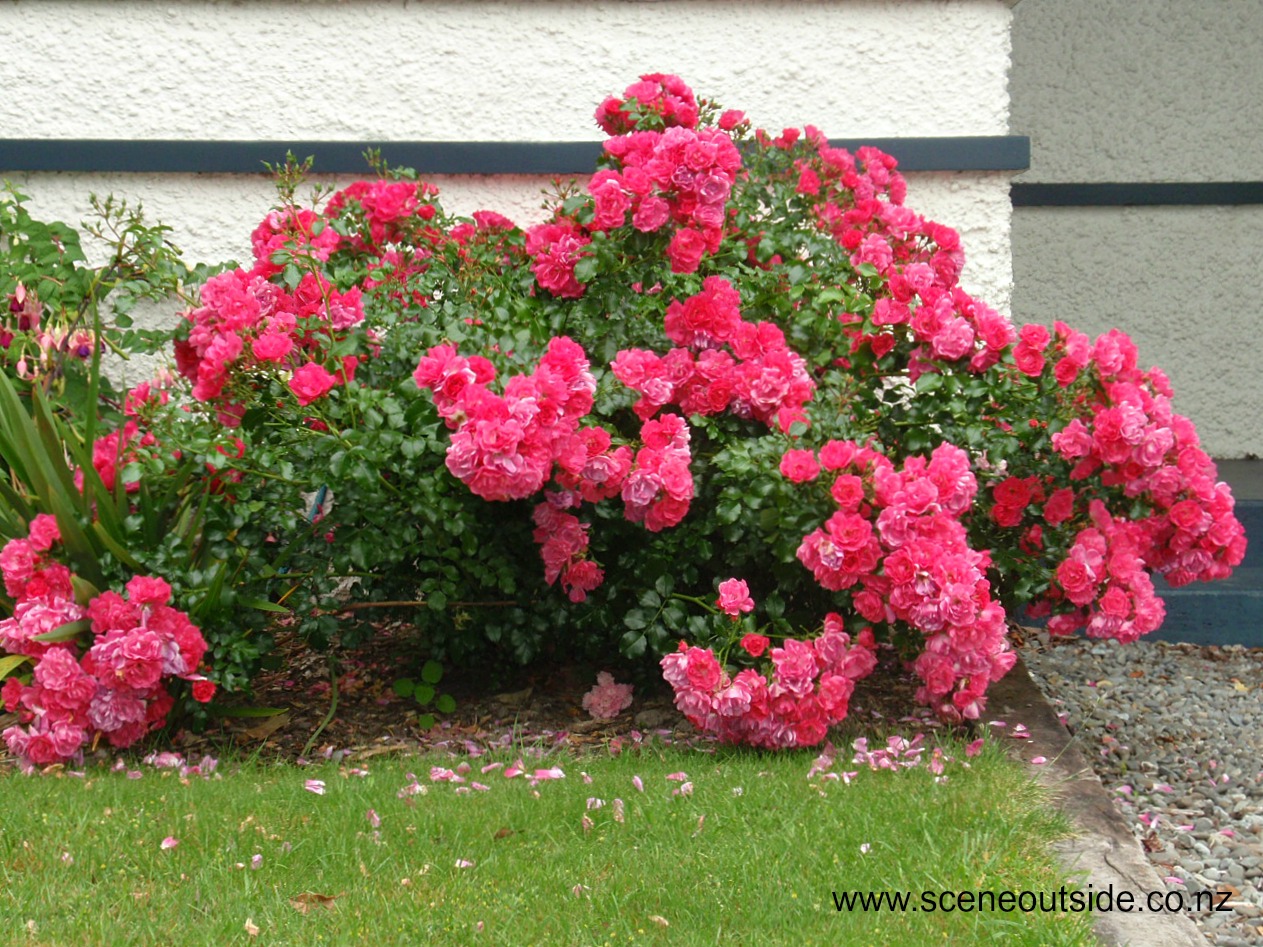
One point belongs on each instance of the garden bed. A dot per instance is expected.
(539, 703)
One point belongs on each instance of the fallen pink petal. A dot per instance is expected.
(638, 783)
(373, 818)
(464, 863)
(168, 843)
(315, 785)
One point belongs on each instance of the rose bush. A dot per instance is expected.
(116, 687)
(731, 363)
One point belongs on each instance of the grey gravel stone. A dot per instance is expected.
(1175, 732)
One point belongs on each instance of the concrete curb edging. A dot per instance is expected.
(1104, 852)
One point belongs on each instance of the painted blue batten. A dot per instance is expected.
(962, 153)
(1155, 194)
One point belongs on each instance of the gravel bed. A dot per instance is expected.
(1175, 732)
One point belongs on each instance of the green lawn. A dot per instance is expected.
(750, 852)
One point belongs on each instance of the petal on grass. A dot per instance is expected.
(678, 777)
(464, 863)
(638, 783)
(168, 843)
(974, 748)
(373, 818)
(315, 785)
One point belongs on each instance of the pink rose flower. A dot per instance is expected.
(311, 382)
(734, 597)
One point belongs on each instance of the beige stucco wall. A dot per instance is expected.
(1159, 90)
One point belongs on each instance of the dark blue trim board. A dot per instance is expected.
(1158, 194)
(993, 153)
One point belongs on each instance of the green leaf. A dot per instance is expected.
(85, 591)
(404, 686)
(635, 619)
(263, 605)
(432, 672)
(245, 712)
(65, 632)
(426, 721)
(446, 704)
(633, 645)
(437, 601)
(423, 694)
(10, 663)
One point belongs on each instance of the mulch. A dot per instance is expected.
(539, 706)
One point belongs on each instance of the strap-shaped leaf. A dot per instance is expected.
(263, 605)
(70, 629)
(10, 663)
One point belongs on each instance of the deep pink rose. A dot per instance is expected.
(799, 466)
(703, 670)
(310, 382)
(685, 250)
(755, 645)
(1078, 581)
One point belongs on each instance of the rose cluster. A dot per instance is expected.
(720, 362)
(897, 543)
(247, 325)
(804, 689)
(918, 305)
(113, 689)
(1126, 437)
(504, 446)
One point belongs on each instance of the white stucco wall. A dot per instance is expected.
(1159, 90)
(524, 71)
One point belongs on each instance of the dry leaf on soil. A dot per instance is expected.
(266, 727)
